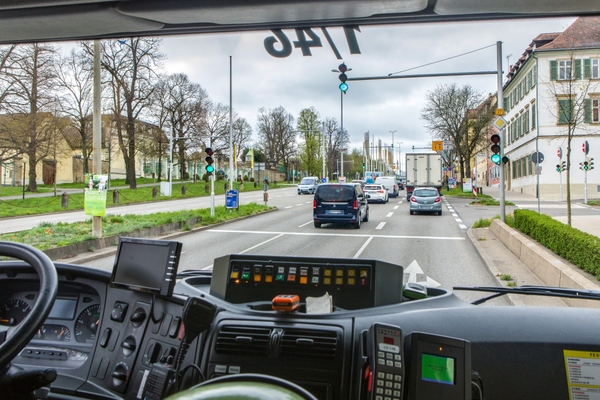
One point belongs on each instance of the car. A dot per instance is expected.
(361, 182)
(400, 185)
(340, 203)
(377, 193)
(390, 184)
(308, 185)
(425, 200)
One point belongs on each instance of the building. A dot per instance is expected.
(552, 93)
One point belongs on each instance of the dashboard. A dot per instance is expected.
(110, 342)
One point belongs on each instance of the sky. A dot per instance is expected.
(379, 107)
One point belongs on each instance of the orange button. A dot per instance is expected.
(303, 280)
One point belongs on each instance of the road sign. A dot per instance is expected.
(537, 158)
(499, 111)
(231, 199)
(559, 152)
(448, 145)
(499, 122)
(437, 145)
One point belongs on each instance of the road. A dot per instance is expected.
(430, 247)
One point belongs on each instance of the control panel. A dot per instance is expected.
(350, 282)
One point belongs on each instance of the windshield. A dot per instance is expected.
(307, 181)
(340, 193)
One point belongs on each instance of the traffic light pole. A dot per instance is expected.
(501, 106)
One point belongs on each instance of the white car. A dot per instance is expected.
(376, 193)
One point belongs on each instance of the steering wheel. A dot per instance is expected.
(245, 387)
(24, 332)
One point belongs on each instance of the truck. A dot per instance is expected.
(423, 170)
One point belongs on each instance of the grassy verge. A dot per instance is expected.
(486, 222)
(52, 204)
(47, 236)
(480, 200)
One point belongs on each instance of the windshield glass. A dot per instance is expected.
(335, 193)
(307, 181)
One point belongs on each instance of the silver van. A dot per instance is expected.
(308, 185)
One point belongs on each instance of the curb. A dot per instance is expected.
(107, 246)
(547, 266)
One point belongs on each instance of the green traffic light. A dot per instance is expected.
(496, 159)
(343, 87)
(210, 169)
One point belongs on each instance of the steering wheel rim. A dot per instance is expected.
(48, 278)
(240, 386)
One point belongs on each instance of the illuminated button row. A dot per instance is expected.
(258, 273)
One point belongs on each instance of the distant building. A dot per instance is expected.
(554, 86)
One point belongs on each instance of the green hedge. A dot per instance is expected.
(579, 248)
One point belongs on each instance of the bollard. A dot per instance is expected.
(266, 197)
(183, 190)
(241, 186)
(116, 197)
(206, 188)
(225, 187)
(154, 192)
(65, 200)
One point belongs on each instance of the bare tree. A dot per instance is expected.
(309, 130)
(179, 104)
(131, 64)
(28, 126)
(335, 141)
(276, 135)
(75, 82)
(213, 130)
(447, 114)
(7, 151)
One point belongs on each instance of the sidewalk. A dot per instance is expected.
(501, 260)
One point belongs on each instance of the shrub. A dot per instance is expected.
(579, 248)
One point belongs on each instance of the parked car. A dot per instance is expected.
(376, 193)
(390, 184)
(340, 203)
(426, 200)
(308, 185)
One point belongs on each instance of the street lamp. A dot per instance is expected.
(393, 155)
(399, 157)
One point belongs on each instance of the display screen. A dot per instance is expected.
(63, 308)
(146, 265)
(437, 369)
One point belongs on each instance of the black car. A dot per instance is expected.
(340, 202)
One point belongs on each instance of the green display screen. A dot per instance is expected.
(437, 369)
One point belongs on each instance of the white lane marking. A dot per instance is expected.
(300, 204)
(363, 247)
(462, 226)
(261, 243)
(309, 222)
(396, 207)
(288, 207)
(381, 225)
(389, 214)
(350, 235)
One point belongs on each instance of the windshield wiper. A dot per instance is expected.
(193, 272)
(532, 290)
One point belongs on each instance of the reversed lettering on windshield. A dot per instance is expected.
(280, 46)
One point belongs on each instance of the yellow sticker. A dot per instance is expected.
(583, 374)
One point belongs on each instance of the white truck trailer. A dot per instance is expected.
(423, 170)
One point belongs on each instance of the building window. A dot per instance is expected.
(595, 108)
(565, 70)
(533, 116)
(566, 111)
(595, 69)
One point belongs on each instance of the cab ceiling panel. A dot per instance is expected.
(51, 20)
(68, 22)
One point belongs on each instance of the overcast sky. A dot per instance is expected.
(378, 106)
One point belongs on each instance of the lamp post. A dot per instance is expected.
(399, 157)
(393, 155)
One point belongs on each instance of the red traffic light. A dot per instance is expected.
(209, 151)
(342, 68)
(495, 138)
(559, 152)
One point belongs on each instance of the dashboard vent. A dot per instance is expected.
(301, 343)
(243, 340)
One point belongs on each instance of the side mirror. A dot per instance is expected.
(367, 196)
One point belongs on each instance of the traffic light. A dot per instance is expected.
(363, 166)
(585, 147)
(495, 149)
(564, 166)
(343, 77)
(586, 165)
(580, 165)
(505, 160)
(591, 163)
(558, 168)
(209, 161)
